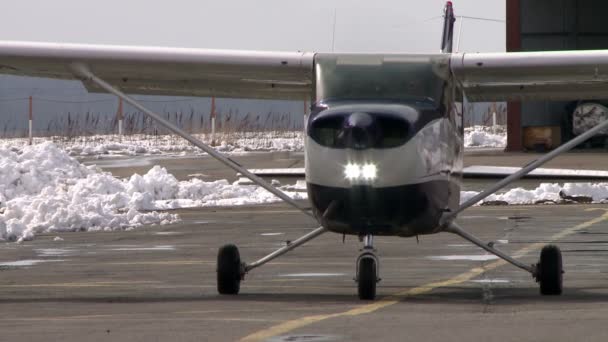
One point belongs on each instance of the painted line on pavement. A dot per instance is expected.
(285, 327)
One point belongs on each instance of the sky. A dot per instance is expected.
(406, 26)
(285, 25)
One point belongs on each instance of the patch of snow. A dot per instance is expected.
(28, 262)
(298, 275)
(483, 136)
(142, 144)
(271, 234)
(168, 233)
(484, 257)
(57, 238)
(299, 186)
(490, 281)
(42, 189)
(597, 192)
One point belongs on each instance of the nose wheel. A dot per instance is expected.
(367, 271)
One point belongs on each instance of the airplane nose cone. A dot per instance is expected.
(359, 130)
(359, 119)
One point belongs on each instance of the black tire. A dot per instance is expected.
(228, 270)
(366, 282)
(550, 271)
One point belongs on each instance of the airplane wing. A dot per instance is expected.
(168, 71)
(561, 75)
(566, 75)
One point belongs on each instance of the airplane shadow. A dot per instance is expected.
(442, 296)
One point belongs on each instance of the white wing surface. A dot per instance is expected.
(168, 71)
(563, 75)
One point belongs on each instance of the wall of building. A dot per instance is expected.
(550, 25)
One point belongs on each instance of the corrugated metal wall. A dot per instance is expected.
(560, 25)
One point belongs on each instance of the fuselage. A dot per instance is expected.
(383, 145)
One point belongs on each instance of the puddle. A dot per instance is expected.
(484, 257)
(294, 275)
(155, 248)
(27, 262)
(272, 234)
(519, 218)
(53, 252)
(502, 242)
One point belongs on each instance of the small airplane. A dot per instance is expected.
(384, 136)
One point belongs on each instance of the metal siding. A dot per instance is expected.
(559, 25)
(542, 16)
(593, 9)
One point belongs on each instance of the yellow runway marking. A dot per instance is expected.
(285, 327)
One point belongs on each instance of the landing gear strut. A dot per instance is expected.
(367, 270)
(548, 271)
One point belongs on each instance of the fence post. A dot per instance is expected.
(120, 117)
(305, 113)
(213, 121)
(31, 126)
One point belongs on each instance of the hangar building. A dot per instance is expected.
(543, 25)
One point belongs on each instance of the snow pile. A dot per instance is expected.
(42, 189)
(548, 193)
(141, 144)
(160, 190)
(483, 136)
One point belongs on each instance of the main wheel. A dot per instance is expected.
(228, 270)
(550, 271)
(367, 279)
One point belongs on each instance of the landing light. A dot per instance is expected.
(360, 171)
(352, 171)
(369, 171)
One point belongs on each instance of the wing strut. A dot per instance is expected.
(448, 217)
(84, 72)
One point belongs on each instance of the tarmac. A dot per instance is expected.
(158, 283)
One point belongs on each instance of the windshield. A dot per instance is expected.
(380, 77)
